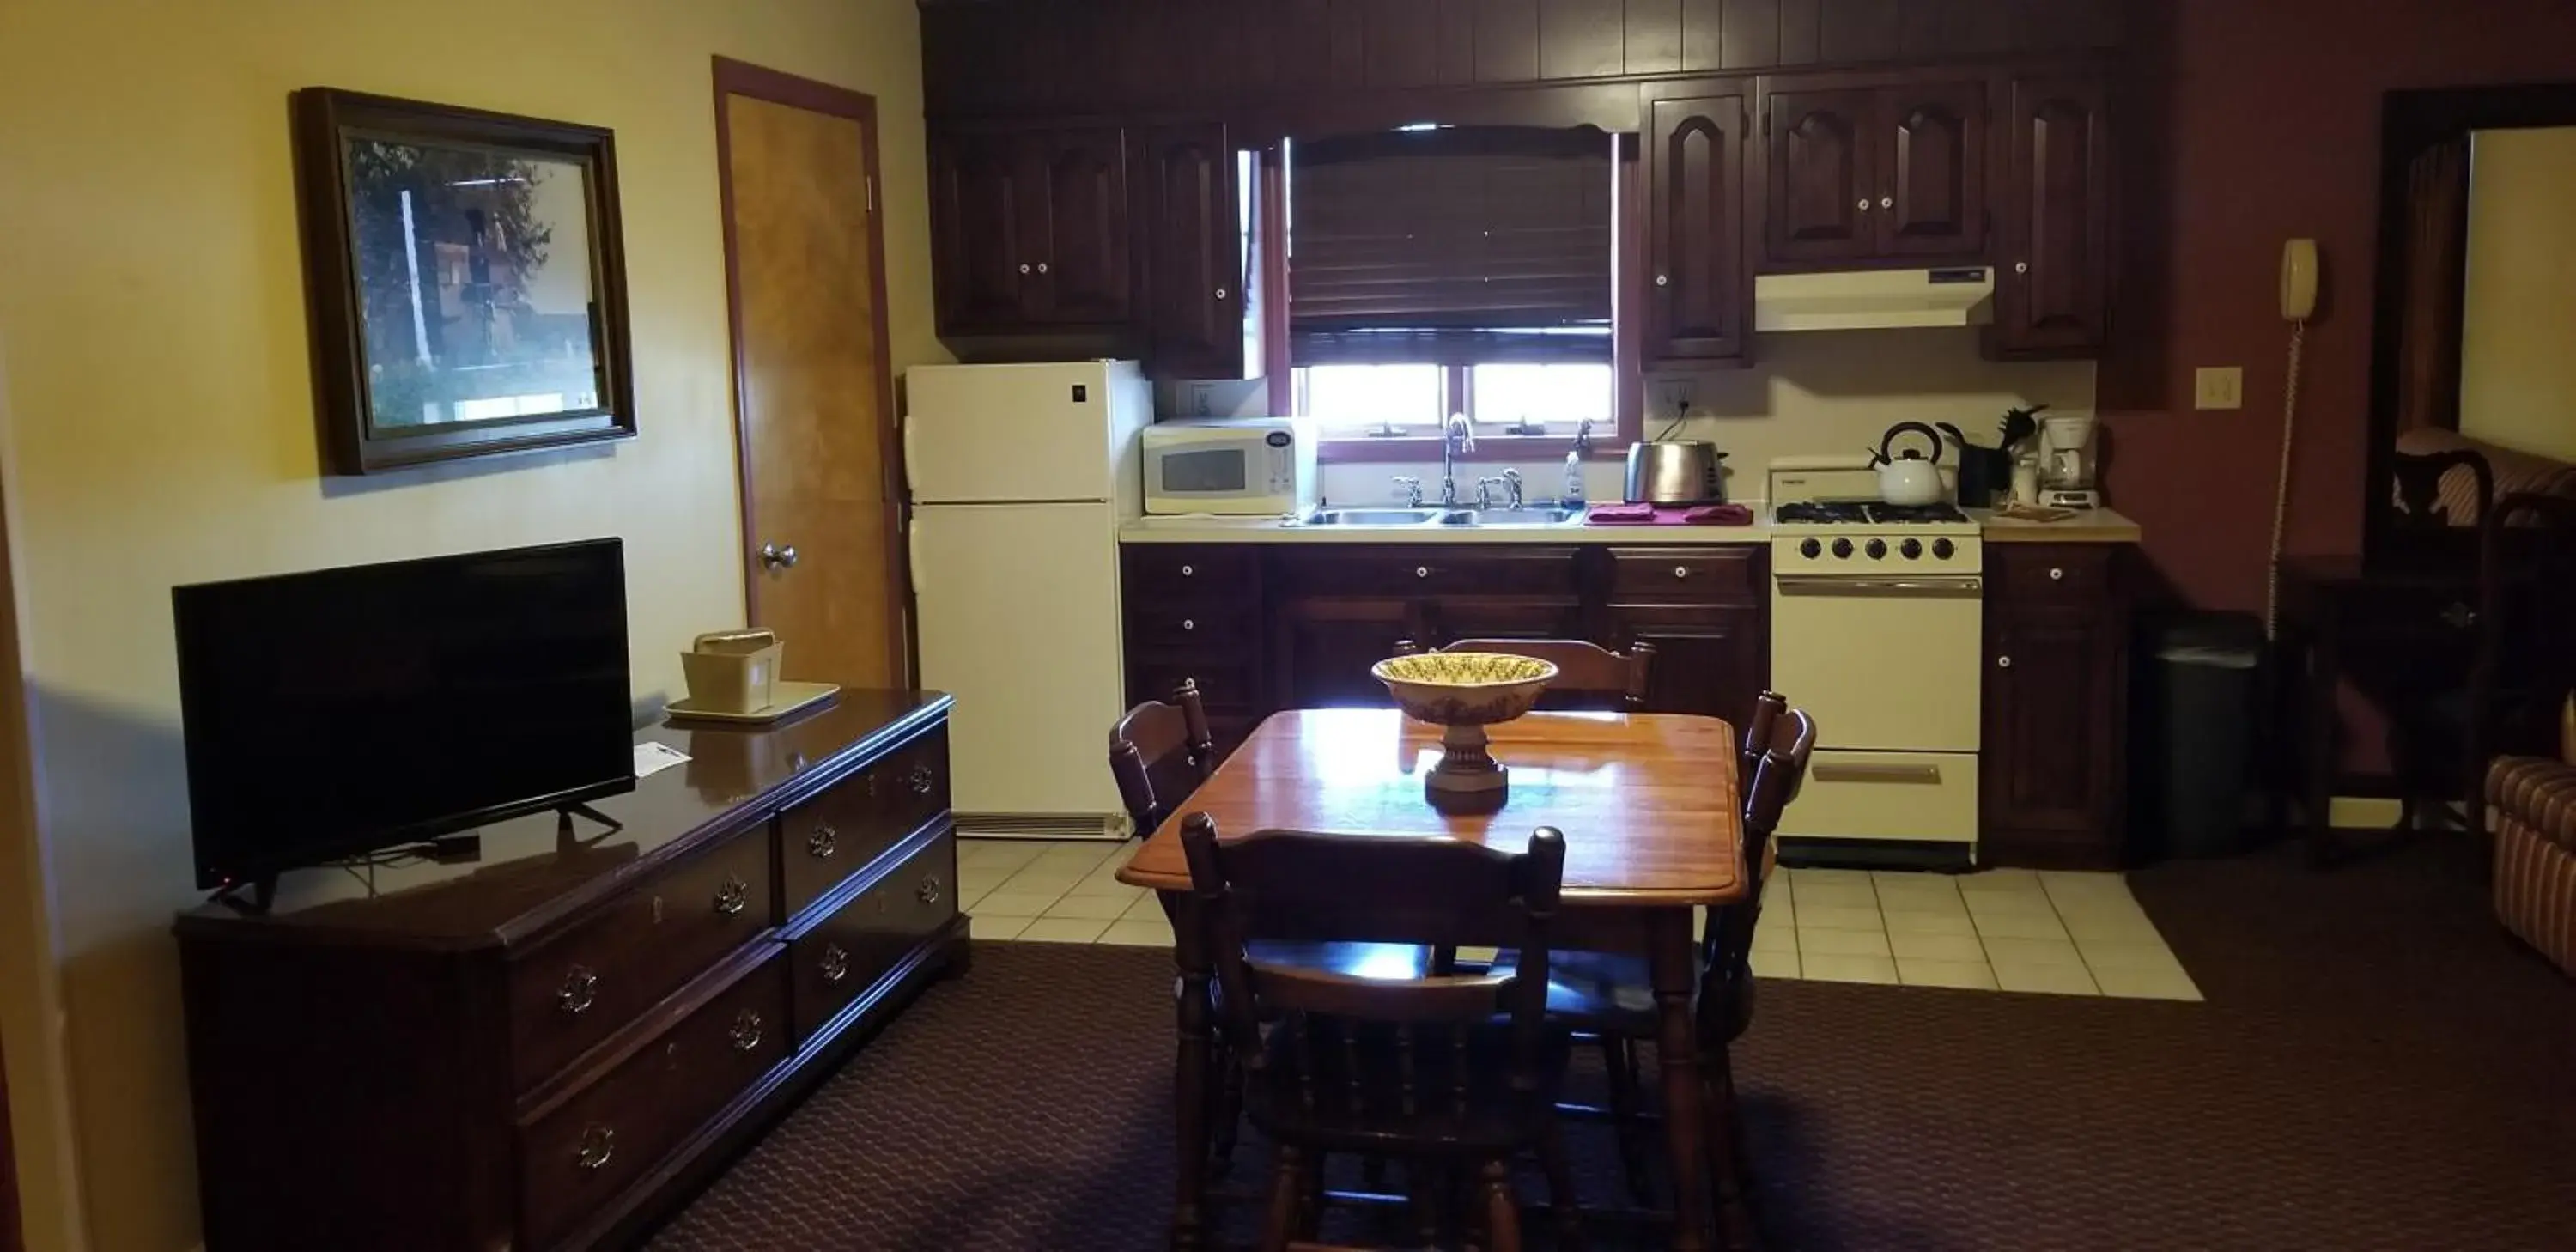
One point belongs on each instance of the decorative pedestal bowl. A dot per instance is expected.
(1463, 693)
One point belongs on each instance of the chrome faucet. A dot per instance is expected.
(1409, 489)
(1456, 435)
(1485, 491)
(1512, 487)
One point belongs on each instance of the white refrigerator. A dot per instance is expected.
(1020, 477)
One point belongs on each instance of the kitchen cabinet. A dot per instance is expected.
(1699, 304)
(1201, 243)
(1030, 230)
(1704, 612)
(2054, 711)
(1197, 612)
(2053, 294)
(1861, 170)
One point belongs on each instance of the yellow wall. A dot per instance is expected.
(159, 427)
(2518, 331)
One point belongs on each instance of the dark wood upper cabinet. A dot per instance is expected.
(1200, 245)
(1029, 230)
(1821, 176)
(2053, 293)
(1932, 171)
(980, 197)
(1085, 264)
(1698, 292)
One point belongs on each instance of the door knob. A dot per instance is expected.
(778, 556)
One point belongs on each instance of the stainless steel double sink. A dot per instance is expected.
(1534, 515)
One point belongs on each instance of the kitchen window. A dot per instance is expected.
(1438, 270)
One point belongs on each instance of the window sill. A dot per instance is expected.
(1420, 448)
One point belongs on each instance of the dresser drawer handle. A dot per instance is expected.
(1681, 571)
(2056, 575)
(929, 892)
(1189, 624)
(1189, 571)
(579, 991)
(598, 1144)
(823, 842)
(923, 777)
(746, 1030)
(1422, 571)
(835, 963)
(733, 897)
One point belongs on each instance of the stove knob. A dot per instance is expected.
(1811, 549)
(1842, 548)
(1941, 549)
(1912, 548)
(1878, 549)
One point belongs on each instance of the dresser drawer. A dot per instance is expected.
(825, 839)
(578, 989)
(846, 952)
(1167, 575)
(1685, 575)
(580, 1154)
(1367, 570)
(2049, 573)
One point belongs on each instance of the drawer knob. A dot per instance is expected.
(598, 1144)
(922, 779)
(2459, 616)
(746, 1030)
(1681, 571)
(1188, 571)
(733, 897)
(823, 842)
(1422, 571)
(2056, 575)
(1189, 624)
(2003, 662)
(835, 963)
(929, 892)
(579, 991)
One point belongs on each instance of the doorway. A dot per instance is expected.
(822, 500)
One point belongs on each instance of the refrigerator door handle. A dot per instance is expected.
(912, 556)
(911, 462)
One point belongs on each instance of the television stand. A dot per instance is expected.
(263, 893)
(564, 816)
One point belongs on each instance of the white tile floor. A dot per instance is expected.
(2000, 930)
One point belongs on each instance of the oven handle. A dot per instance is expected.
(1791, 584)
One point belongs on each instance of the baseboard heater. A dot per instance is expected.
(1809, 852)
(1041, 826)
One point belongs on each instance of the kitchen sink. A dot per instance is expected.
(1372, 517)
(1536, 515)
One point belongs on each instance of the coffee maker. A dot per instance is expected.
(2066, 463)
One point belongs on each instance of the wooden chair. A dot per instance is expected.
(1588, 676)
(1445, 1072)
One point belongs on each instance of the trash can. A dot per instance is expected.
(2203, 709)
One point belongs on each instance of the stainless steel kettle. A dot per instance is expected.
(1681, 471)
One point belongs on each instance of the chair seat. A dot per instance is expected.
(1351, 960)
(1614, 991)
(1322, 1113)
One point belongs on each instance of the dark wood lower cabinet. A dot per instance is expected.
(2055, 708)
(551, 1048)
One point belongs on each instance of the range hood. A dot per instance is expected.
(1874, 299)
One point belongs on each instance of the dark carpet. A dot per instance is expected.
(2377, 1066)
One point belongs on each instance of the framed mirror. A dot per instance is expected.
(464, 278)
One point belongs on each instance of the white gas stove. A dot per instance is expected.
(1877, 625)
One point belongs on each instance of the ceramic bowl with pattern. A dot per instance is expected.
(1464, 688)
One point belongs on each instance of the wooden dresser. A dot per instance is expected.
(552, 1046)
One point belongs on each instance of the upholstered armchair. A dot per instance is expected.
(2533, 803)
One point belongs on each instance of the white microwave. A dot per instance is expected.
(1251, 465)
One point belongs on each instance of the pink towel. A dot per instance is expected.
(1669, 515)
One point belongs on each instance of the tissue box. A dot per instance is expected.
(732, 671)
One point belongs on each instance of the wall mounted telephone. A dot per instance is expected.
(2298, 303)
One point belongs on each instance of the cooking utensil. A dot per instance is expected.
(2019, 425)
(1680, 471)
(1983, 471)
(1908, 477)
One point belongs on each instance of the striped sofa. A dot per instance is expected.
(2533, 800)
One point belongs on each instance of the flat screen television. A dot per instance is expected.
(346, 711)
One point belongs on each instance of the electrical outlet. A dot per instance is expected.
(1676, 393)
(1202, 395)
(2218, 387)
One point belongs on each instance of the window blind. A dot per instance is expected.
(1452, 246)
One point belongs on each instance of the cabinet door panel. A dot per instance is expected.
(1326, 647)
(2055, 290)
(1821, 204)
(1494, 617)
(1710, 661)
(1696, 307)
(1198, 238)
(2045, 745)
(1932, 171)
(982, 198)
(1085, 263)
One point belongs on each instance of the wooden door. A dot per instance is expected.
(814, 394)
(2054, 293)
(1198, 238)
(1699, 298)
(2049, 751)
(1082, 264)
(983, 190)
(1821, 196)
(1932, 171)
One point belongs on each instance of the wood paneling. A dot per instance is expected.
(1801, 32)
(1506, 41)
(1403, 38)
(1749, 34)
(1653, 36)
(1579, 38)
(1854, 31)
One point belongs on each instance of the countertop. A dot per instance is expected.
(2089, 526)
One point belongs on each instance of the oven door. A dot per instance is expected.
(1886, 664)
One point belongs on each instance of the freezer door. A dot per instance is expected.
(1018, 619)
(1013, 433)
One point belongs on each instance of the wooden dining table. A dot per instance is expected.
(1649, 804)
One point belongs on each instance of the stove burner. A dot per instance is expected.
(1863, 512)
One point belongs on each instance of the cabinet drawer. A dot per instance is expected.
(1685, 574)
(1164, 574)
(580, 1154)
(1227, 685)
(578, 989)
(2049, 573)
(845, 953)
(1193, 626)
(824, 840)
(1355, 570)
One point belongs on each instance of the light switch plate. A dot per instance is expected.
(2218, 387)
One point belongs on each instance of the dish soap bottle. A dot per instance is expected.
(1572, 492)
